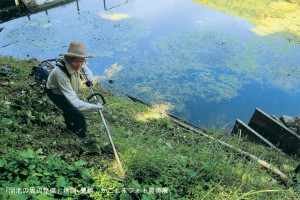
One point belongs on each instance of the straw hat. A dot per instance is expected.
(76, 49)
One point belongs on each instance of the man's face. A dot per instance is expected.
(76, 63)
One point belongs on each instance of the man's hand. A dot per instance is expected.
(89, 83)
(98, 106)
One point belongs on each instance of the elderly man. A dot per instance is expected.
(63, 85)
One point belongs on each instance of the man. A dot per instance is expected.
(63, 85)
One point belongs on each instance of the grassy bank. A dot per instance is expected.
(40, 159)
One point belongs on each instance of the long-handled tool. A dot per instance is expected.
(94, 95)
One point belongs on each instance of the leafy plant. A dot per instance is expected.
(32, 169)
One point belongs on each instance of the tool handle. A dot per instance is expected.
(50, 60)
(95, 96)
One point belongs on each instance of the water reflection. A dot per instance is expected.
(46, 35)
(268, 16)
(11, 11)
(113, 4)
(210, 67)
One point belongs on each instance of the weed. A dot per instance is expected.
(162, 160)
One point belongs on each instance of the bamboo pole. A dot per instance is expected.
(261, 162)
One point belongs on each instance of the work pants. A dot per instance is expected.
(74, 118)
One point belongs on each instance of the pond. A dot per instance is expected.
(207, 62)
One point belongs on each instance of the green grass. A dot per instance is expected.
(161, 159)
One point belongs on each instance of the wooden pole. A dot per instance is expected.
(17, 2)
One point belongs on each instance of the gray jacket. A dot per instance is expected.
(59, 83)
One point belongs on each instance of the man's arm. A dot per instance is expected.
(88, 73)
(67, 90)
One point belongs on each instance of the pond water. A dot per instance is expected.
(208, 62)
